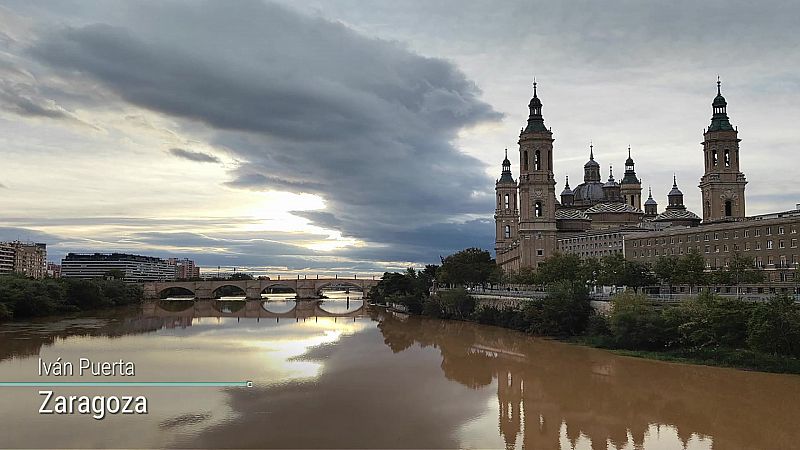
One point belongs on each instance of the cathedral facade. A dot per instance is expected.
(532, 222)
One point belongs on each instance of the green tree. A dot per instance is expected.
(690, 269)
(469, 267)
(560, 267)
(666, 269)
(115, 274)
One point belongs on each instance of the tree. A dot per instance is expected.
(774, 327)
(612, 269)
(636, 275)
(560, 267)
(691, 269)
(470, 267)
(115, 274)
(666, 269)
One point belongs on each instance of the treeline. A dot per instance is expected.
(706, 329)
(614, 270)
(22, 297)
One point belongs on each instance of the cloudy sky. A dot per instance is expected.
(344, 136)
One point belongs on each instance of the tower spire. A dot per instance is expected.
(591, 151)
(719, 86)
(535, 119)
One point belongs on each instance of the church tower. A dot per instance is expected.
(650, 206)
(722, 184)
(506, 214)
(537, 228)
(631, 187)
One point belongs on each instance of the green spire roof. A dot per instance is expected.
(720, 121)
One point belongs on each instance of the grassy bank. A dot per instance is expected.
(22, 298)
(721, 357)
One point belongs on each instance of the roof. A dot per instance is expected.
(615, 207)
(650, 201)
(679, 214)
(570, 214)
(589, 191)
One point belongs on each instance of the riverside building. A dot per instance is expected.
(598, 218)
(25, 258)
(134, 268)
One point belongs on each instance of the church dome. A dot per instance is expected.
(589, 192)
(650, 201)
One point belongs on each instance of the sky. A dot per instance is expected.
(340, 136)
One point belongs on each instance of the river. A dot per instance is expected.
(336, 375)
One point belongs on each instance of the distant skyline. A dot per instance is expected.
(341, 136)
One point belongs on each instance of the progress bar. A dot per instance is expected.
(126, 384)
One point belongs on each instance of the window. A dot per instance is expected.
(769, 231)
(758, 245)
(716, 249)
(725, 235)
(727, 158)
(781, 244)
(537, 209)
(505, 201)
(539, 252)
(757, 232)
(725, 248)
(705, 238)
(707, 248)
(769, 245)
(746, 233)
(747, 246)
(770, 260)
(728, 208)
(716, 236)
(537, 160)
(780, 230)
(714, 158)
(794, 243)
(525, 160)
(507, 231)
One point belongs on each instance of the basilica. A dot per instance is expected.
(532, 222)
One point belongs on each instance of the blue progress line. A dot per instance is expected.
(126, 383)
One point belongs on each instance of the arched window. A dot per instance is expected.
(537, 160)
(507, 231)
(537, 209)
(727, 158)
(525, 160)
(728, 208)
(506, 201)
(498, 201)
(714, 158)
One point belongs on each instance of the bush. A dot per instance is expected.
(774, 327)
(636, 324)
(564, 312)
(710, 321)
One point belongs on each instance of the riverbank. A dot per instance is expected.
(720, 357)
(706, 330)
(25, 298)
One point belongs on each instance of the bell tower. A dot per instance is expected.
(506, 214)
(631, 187)
(722, 184)
(537, 196)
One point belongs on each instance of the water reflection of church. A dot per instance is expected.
(550, 396)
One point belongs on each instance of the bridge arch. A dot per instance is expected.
(176, 292)
(279, 306)
(228, 290)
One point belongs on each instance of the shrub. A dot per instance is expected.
(636, 324)
(774, 327)
(710, 321)
(564, 312)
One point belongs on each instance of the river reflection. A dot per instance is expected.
(382, 380)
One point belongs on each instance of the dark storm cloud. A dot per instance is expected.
(306, 105)
(194, 156)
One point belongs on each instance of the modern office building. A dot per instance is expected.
(135, 268)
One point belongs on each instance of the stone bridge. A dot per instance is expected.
(304, 288)
(255, 309)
